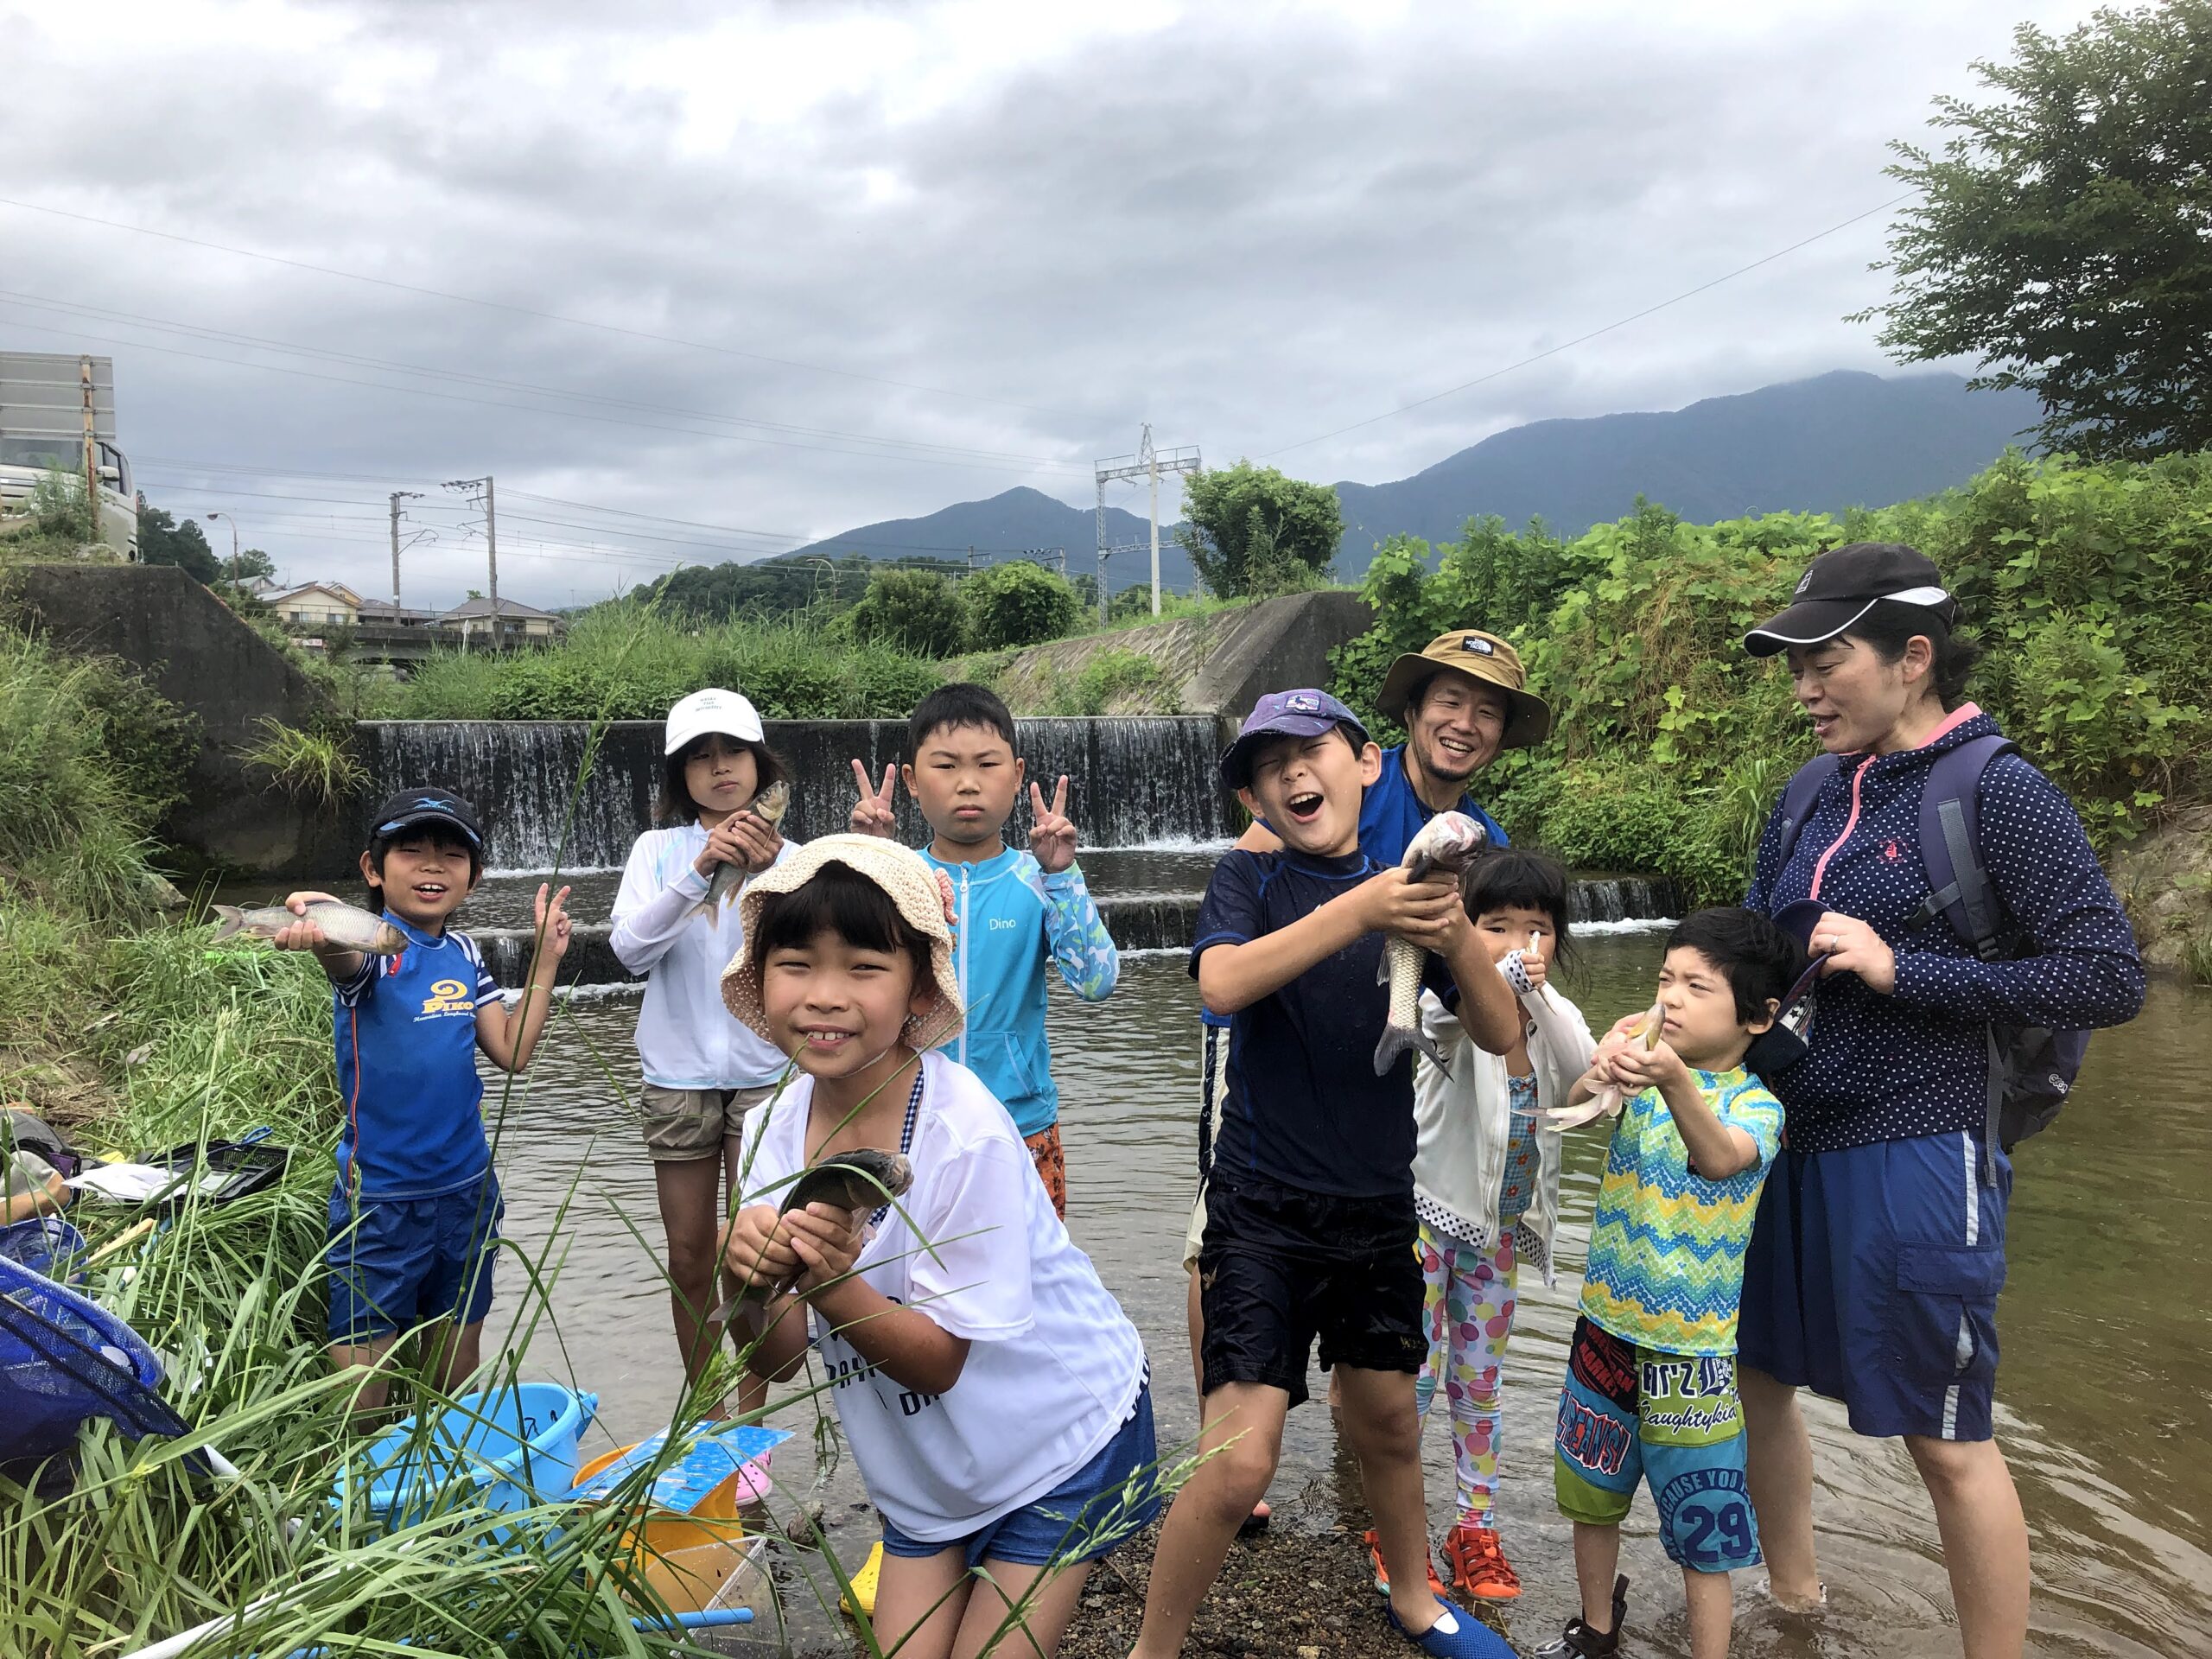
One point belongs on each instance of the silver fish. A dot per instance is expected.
(345, 925)
(1448, 841)
(729, 880)
(1606, 1103)
(863, 1179)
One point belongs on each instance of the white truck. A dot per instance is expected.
(57, 413)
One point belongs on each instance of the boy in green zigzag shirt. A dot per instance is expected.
(1651, 1390)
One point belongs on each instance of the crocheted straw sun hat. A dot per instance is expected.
(922, 895)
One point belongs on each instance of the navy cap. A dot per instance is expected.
(1304, 713)
(411, 807)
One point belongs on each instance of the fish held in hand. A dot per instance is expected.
(1608, 1101)
(864, 1180)
(346, 926)
(728, 880)
(1446, 843)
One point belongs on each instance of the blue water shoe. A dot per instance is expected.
(1457, 1634)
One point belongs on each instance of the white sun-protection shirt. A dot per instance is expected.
(687, 1038)
(1055, 1366)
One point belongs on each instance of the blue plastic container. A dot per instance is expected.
(507, 1449)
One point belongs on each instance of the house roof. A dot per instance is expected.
(469, 609)
(332, 589)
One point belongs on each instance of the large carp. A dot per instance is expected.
(1446, 843)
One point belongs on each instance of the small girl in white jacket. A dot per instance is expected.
(704, 1071)
(1486, 1185)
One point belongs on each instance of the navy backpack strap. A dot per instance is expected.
(1797, 801)
(1950, 846)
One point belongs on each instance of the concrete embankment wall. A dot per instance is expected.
(202, 657)
(1214, 664)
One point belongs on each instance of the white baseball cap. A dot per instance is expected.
(712, 710)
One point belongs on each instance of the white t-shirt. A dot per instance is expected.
(687, 1037)
(1055, 1366)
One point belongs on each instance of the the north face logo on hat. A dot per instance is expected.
(1803, 583)
(1479, 646)
(1303, 702)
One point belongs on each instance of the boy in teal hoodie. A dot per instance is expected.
(1015, 911)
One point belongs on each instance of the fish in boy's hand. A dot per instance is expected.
(1607, 1102)
(862, 1180)
(769, 806)
(345, 925)
(1446, 843)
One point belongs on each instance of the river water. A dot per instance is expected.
(2104, 1408)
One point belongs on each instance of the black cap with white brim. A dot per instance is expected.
(1843, 584)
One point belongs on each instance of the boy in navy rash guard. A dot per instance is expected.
(1310, 1221)
(416, 1209)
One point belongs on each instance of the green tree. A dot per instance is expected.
(1018, 603)
(918, 611)
(1252, 531)
(162, 540)
(2063, 233)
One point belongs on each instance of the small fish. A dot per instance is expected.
(344, 926)
(729, 880)
(1606, 1103)
(1448, 841)
(864, 1180)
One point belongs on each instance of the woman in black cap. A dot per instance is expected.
(1873, 1271)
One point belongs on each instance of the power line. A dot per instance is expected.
(1580, 339)
(223, 336)
(527, 311)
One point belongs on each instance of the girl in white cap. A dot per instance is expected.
(992, 1390)
(703, 1070)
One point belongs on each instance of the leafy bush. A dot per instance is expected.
(2090, 589)
(1254, 532)
(918, 611)
(1018, 603)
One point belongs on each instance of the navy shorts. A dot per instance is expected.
(1280, 1267)
(411, 1261)
(1872, 1277)
(1090, 1515)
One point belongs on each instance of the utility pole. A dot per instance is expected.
(469, 486)
(1147, 463)
(233, 522)
(396, 497)
(90, 398)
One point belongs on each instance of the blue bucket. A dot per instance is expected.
(506, 1449)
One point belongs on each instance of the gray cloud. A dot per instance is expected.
(1248, 227)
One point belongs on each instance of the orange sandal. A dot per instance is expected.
(1478, 1564)
(1374, 1543)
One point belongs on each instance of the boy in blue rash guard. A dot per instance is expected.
(415, 1211)
(1015, 911)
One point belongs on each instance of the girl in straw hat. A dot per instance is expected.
(992, 1390)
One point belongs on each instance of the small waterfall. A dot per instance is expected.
(1621, 898)
(1133, 780)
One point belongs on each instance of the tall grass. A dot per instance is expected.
(629, 662)
(309, 765)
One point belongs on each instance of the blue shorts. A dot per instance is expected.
(1872, 1277)
(1629, 1413)
(411, 1261)
(1090, 1515)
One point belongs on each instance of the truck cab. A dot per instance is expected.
(55, 410)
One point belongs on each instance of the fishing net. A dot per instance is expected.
(63, 1359)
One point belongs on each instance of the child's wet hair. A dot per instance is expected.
(1761, 961)
(446, 840)
(676, 806)
(962, 704)
(837, 898)
(1512, 878)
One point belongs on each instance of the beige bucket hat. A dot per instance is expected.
(923, 899)
(1479, 656)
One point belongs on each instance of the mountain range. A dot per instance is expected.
(1835, 441)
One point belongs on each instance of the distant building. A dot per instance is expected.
(318, 605)
(517, 622)
(379, 613)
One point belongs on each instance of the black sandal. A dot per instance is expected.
(1579, 1641)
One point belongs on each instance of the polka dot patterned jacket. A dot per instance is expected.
(1886, 1068)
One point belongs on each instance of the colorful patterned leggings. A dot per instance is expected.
(1469, 1311)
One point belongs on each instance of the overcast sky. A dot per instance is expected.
(784, 270)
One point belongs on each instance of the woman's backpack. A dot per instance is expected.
(2032, 1068)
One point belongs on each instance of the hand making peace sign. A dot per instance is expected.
(874, 814)
(1051, 834)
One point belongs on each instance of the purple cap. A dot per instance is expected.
(1303, 713)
